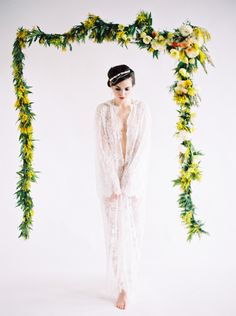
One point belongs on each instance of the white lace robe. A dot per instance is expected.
(123, 218)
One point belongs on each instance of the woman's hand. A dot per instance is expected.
(113, 197)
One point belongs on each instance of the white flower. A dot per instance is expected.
(147, 39)
(184, 72)
(157, 46)
(154, 44)
(180, 88)
(185, 30)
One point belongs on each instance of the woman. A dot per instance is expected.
(122, 126)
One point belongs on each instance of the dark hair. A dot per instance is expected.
(113, 71)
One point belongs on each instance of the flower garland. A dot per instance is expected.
(186, 44)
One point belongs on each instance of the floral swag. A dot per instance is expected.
(185, 44)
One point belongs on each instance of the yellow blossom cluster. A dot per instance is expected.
(187, 217)
(22, 36)
(28, 215)
(193, 173)
(22, 97)
(89, 23)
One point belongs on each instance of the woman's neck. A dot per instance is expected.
(122, 104)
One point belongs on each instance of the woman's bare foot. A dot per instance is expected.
(121, 301)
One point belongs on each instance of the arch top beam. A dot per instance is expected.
(186, 45)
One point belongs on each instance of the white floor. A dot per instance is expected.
(172, 291)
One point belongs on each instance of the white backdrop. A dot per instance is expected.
(60, 269)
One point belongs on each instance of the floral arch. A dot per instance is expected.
(185, 44)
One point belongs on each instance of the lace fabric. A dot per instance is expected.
(124, 217)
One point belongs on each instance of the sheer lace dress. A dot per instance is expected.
(124, 217)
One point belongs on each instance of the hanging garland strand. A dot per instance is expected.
(26, 173)
(186, 44)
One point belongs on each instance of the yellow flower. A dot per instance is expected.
(187, 217)
(181, 99)
(174, 53)
(185, 60)
(187, 152)
(202, 57)
(194, 171)
(121, 27)
(147, 39)
(24, 117)
(22, 33)
(202, 32)
(191, 91)
(17, 104)
(28, 152)
(187, 83)
(89, 23)
(185, 180)
(142, 17)
(22, 36)
(143, 34)
(183, 57)
(151, 49)
(170, 35)
(26, 130)
(161, 38)
(22, 88)
(179, 126)
(121, 36)
(26, 185)
(26, 99)
(30, 174)
(41, 41)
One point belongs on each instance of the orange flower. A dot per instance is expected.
(180, 44)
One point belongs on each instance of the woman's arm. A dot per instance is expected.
(108, 175)
(134, 178)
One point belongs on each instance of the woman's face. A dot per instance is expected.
(122, 90)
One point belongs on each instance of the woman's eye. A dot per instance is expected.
(127, 89)
(117, 89)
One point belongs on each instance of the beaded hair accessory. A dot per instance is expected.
(119, 74)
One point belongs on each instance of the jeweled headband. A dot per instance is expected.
(119, 74)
